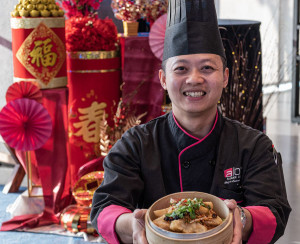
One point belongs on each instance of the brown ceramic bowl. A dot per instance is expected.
(220, 234)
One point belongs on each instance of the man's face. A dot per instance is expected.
(194, 83)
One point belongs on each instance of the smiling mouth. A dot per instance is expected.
(194, 94)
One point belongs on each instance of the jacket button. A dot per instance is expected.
(186, 164)
(212, 162)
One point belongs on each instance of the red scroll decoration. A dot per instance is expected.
(94, 87)
(39, 51)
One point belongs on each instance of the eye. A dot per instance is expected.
(208, 67)
(180, 69)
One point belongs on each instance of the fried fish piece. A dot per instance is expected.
(161, 212)
(179, 225)
(210, 204)
(203, 210)
(187, 216)
(161, 223)
(213, 221)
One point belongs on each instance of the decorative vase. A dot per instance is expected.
(130, 28)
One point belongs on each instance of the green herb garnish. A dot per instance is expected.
(187, 207)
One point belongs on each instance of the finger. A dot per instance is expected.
(140, 241)
(139, 213)
(139, 236)
(142, 238)
(237, 237)
(230, 203)
(237, 227)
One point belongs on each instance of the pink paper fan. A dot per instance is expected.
(25, 124)
(157, 36)
(23, 89)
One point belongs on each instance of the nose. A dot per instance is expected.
(195, 77)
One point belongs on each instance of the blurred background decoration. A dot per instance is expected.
(140, 11)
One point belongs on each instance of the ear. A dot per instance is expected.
(226, 77)
(162, 78)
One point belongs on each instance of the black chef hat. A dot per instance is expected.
(192, 27)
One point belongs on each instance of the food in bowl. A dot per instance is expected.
(220, 234)
(187, 215)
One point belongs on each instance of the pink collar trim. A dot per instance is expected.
(185, 132)
(194, 144)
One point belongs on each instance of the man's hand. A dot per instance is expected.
(138, 227)
(237, 224)
(130, 227)
(239, 233)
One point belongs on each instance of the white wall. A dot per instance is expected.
(6, 62)
(276, 17)
(286, 39)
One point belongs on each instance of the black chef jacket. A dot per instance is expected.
(158, 158)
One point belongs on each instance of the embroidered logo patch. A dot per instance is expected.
(232, 175)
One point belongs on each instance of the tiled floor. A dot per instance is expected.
(286, 138)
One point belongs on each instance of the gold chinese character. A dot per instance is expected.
(89, 122)
(41, 54)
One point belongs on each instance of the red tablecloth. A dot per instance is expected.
(51, 165)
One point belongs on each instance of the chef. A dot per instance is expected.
(192, 148)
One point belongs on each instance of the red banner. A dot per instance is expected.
(39, 53)
(94, 88)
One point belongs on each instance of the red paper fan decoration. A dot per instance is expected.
(25, 124)
(157, 36)
(23, 89)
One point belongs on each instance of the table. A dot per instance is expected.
(17, 237)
